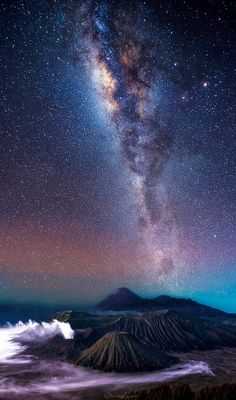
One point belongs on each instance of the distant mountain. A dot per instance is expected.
(125, 300)
(122, 296)
(187, 307)
(123, 352)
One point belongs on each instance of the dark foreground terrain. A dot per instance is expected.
(183, 392)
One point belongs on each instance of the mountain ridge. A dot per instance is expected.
(126, 300)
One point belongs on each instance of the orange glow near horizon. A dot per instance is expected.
(66, 248)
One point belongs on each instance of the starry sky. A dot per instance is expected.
(117, 156)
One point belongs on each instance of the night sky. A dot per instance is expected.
(117, 151)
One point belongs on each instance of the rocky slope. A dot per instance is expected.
(169, 331)
(52, 349)
(123, 352)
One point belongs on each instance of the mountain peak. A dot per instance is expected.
(121, 296)
(124, 291)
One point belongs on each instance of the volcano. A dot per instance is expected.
(123, 352)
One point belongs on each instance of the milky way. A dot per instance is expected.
(124, 63)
